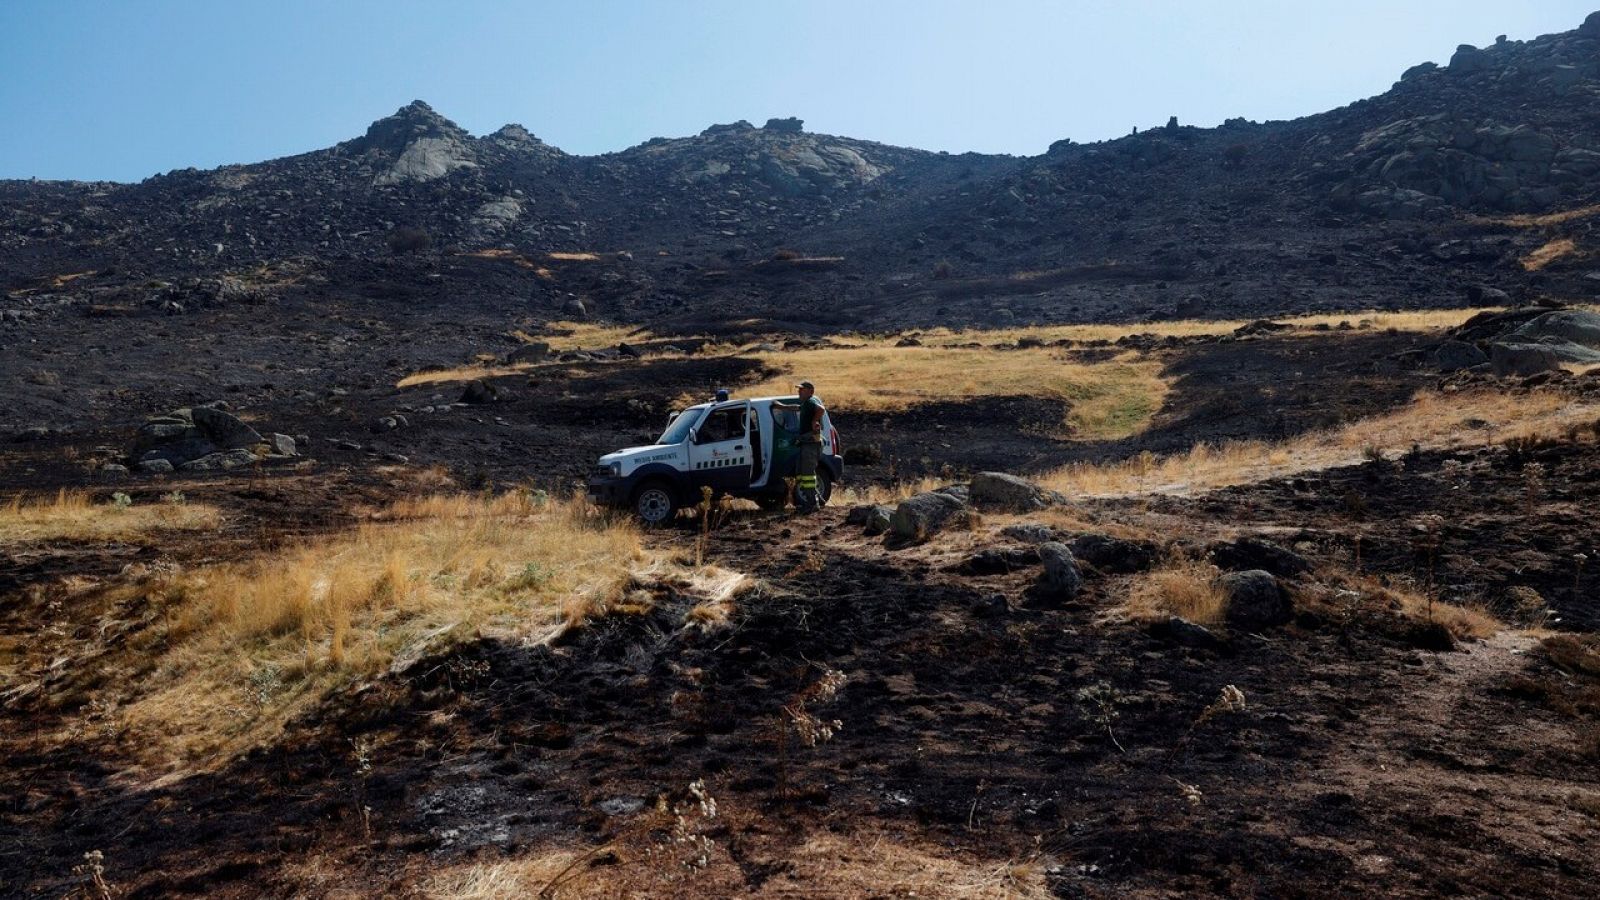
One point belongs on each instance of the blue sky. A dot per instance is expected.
(124, 89)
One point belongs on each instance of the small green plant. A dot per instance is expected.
(121, 500)
(176, 498)
(532, 576)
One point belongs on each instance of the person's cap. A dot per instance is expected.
(806, 384)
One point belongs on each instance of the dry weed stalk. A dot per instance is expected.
(94, 871)
(1100, 701)
(685, 825)
(812, 730)
(1229, 700)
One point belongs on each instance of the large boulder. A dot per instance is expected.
(1468, 59)
(1255, 600)
(1002, 491)
(1453, 356)
(220, 461)
(1248, 553)
(1572, 326)
(1113, 555)
(1061, 579)
(1524, 359)
(919, 517)
(223, 428)
(535, 352)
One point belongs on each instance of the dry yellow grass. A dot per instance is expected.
(1431, 420)
(1540, 221)
(1109, 400)
(1303, 326)
(1549, 253)
(74, 516)
(1181, 587)
(240, 648)
(568, 336)
(823, 864)
(572, 257)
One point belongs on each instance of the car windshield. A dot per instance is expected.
(678, 429)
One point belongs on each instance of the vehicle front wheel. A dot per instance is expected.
(824, 487)
(654, 503)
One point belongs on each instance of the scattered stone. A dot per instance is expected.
(1255, 600)
(114, 470)
(908, 342)
(629, 351)
(1061, 579)
(575, 308)
(283, 445)
(156, 466)
(878, 521)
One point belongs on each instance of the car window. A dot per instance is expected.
(678, 429)
(722, 425)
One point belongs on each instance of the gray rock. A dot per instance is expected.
(529, 353)
(1029, 532)
(1468, 59)
(155, 466)
(1113, 555)
(479, 392)
(878, 521)
(1453, 356)
(1573, 326)
(628, 350)
(1250, 552)
(1522, 359)
(1255, 599)
(1181, 631)
(284, 445)
(789, 125)
(220, 461)
(920, 517)
(999, 490)
(1061, 579)
(223, 428)
(575, 308)
(114, 470)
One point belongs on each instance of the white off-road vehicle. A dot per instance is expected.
(741, 448)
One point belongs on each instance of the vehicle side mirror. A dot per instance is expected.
(694, 435)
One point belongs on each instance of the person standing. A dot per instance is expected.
(809, 444)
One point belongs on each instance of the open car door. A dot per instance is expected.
(721, 452)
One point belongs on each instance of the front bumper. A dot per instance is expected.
(608, 491)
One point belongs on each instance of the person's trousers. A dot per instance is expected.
(805, 482)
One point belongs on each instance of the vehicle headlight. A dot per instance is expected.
(616, 470)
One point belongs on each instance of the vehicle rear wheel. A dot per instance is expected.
(654, 503)
(824, 486)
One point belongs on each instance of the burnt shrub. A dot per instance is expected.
(403, 241)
